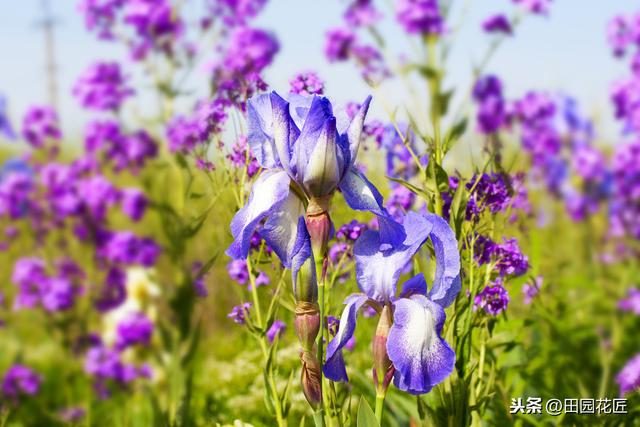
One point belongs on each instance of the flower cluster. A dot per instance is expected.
(185, 134)
(19, 381)
(102, 87)
(307, 83)
(420, 16)
(493, 299)
(40, 126)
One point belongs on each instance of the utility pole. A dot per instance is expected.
(48, 24)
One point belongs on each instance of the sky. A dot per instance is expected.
(566, 51)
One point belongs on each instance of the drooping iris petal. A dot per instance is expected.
(260, 131)
(421, 357)
(362, 195)
(281, 229)
(267, 193)
(299, 106)
(301, 252)
(417, 285)
(354, 131)
(447, 283)
(334, 368)
(377, 271)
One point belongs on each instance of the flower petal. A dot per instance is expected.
(324, 167)
(301, 252)
(362, 195)
(447, 283)
(285, 131)
(267, 193)
(417, 285)
(334, 368)
(421, 357)
(281, 229)
(354, 131)
(377, 272)
(260, 131)
(315, 124)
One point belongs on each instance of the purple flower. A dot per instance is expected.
(186, 133)
(241, 157)
(57, 294)
(134, 203)
(237, 12)
(540, 7)
(5, 125)
(28, 275)
(250, 51)
(106, 366)
(509, 260)
(487, 93)
(497, 24)
(20, 380)
(400, 201)
(134, 329)
(531, 289)
(127, 248)
(397, 142)
(307, 83)
(100, 15)
(624, 211)
(239, 312)
(16, 187)
(261, 280)
(361, 13)
(155, 23)
(98, 195)
(102, 87)
(297, 144)
(40, 125)
(488, 191)
(276, 330)
(493, 299)
(632, 302)
(113, 292)
(420, 16)
(629, 377)
(238, 271)
(351, 231)
(371, 63)
(199, 285)
(338, 44)
(338, 251)
(414, 344)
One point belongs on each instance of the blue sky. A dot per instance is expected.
(566, 51)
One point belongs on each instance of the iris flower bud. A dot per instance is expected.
(382, 367)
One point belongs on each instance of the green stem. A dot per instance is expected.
(379, 407)
(318, 418)
(320, 342)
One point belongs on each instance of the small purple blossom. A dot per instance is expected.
(238, 271)
(307, 83)
(241, 157)
(531, 289)
(487, 93)
(155, 23)
(239, 312)
(134, 203)
(40, 125)
(20, 380)
(351, 231)
(497, 24)
(276, 330)
(5, 124)
(420, 16)
(102, 87)
(631, 302)
(629, 377)
(539, 7)
(338, 44)
(134, 329)
(250, 51)
(493, 299)
(100, 15)
(187, 133)
(361, 13)
(126, 248)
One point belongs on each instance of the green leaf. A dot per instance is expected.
(366, 417)
(454, 134)
(444, 100)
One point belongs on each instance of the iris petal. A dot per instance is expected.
(281, 229)
(260, 131)
(362, 195)
(267, 194)
(421, 357)
(334, 368)
(447, 283)
(354, 131)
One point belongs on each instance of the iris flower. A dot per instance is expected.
(415, 347)
(305, 156)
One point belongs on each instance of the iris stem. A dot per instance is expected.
(320, 343)
(379, 407)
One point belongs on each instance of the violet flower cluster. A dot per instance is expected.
(344, 43)
(102, 87)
